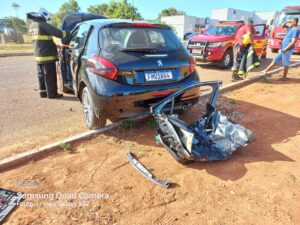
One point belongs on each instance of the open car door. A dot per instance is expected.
(260, 40)
(69, 24)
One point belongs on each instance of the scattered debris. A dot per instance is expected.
(145, 172)
(8, 201)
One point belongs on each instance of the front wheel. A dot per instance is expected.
(227, 60)
(91, 120)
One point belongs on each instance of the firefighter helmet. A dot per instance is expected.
(43, 12)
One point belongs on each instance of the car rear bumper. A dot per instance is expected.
(210, 54)
(121, 101)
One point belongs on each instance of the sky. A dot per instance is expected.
(150, 9)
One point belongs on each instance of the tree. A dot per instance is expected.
(170, 12)
(66, 8)
(18, 24)
(98, 9)
(117, 9)
(16, 6)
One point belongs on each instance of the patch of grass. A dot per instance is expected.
(66, 147)
(152, 123)
(127, 124)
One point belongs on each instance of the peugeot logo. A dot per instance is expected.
(159, 63)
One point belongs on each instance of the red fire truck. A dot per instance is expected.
(278, 33)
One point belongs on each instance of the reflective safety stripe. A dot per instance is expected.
(45, 58)
(42, 37)
(64, 34)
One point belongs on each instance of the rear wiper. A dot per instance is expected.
(148, 50)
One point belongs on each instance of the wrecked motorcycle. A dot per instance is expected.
(212, 137)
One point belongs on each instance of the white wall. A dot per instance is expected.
(177, 22)
(236, 14)
(265, 17)
(219, 14)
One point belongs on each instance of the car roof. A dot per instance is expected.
(99, 23)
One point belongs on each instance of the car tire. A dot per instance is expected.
(91, 120)
(273, 50)
(227, 60)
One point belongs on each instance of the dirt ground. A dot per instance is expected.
(258, 184)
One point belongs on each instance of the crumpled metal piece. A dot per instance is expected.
(221, 142)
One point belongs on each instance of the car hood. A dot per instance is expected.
(211, 38)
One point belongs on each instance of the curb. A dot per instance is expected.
(16, 54)
(44, 151)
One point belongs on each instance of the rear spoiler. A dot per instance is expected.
(139, 24)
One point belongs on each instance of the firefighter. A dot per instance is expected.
(45, 51)
(243, 38)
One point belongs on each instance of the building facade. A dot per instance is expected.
(184, 24)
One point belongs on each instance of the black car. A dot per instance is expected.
(120, 68)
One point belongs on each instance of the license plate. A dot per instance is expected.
(198, 51)
(158, 75)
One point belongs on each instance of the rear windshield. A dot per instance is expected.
(283, 18)
(221, 30)
(124, 38)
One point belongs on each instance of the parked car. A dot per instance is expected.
(279, 33)
(120, 68)
(10, 35)
(215, 44)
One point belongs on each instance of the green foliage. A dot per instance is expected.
(127, 124)
(16, 6)
(66, 147)
(68, 7)
(18, 24)
(98, 9)
(170, 12)
(117, 9)
(152, 123)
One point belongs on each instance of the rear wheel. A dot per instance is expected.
(227, 60)
(91, 120)
(274, 50)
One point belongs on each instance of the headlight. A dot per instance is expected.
(215, 44)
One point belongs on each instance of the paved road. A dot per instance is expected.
(26, 121)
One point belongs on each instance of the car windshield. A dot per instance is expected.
(284, 17)
(221, 30)
(138, 39)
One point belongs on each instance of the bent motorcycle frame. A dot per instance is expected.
(172, 142)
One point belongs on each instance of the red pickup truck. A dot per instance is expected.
(215, 44)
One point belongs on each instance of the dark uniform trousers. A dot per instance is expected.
(47, 78)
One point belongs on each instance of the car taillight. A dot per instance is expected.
(192, 66)
(102, 67)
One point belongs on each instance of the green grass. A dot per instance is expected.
(15, 48)
(127, 124)
(66, 147)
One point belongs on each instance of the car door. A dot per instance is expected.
(260, 40)
(77, 45)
